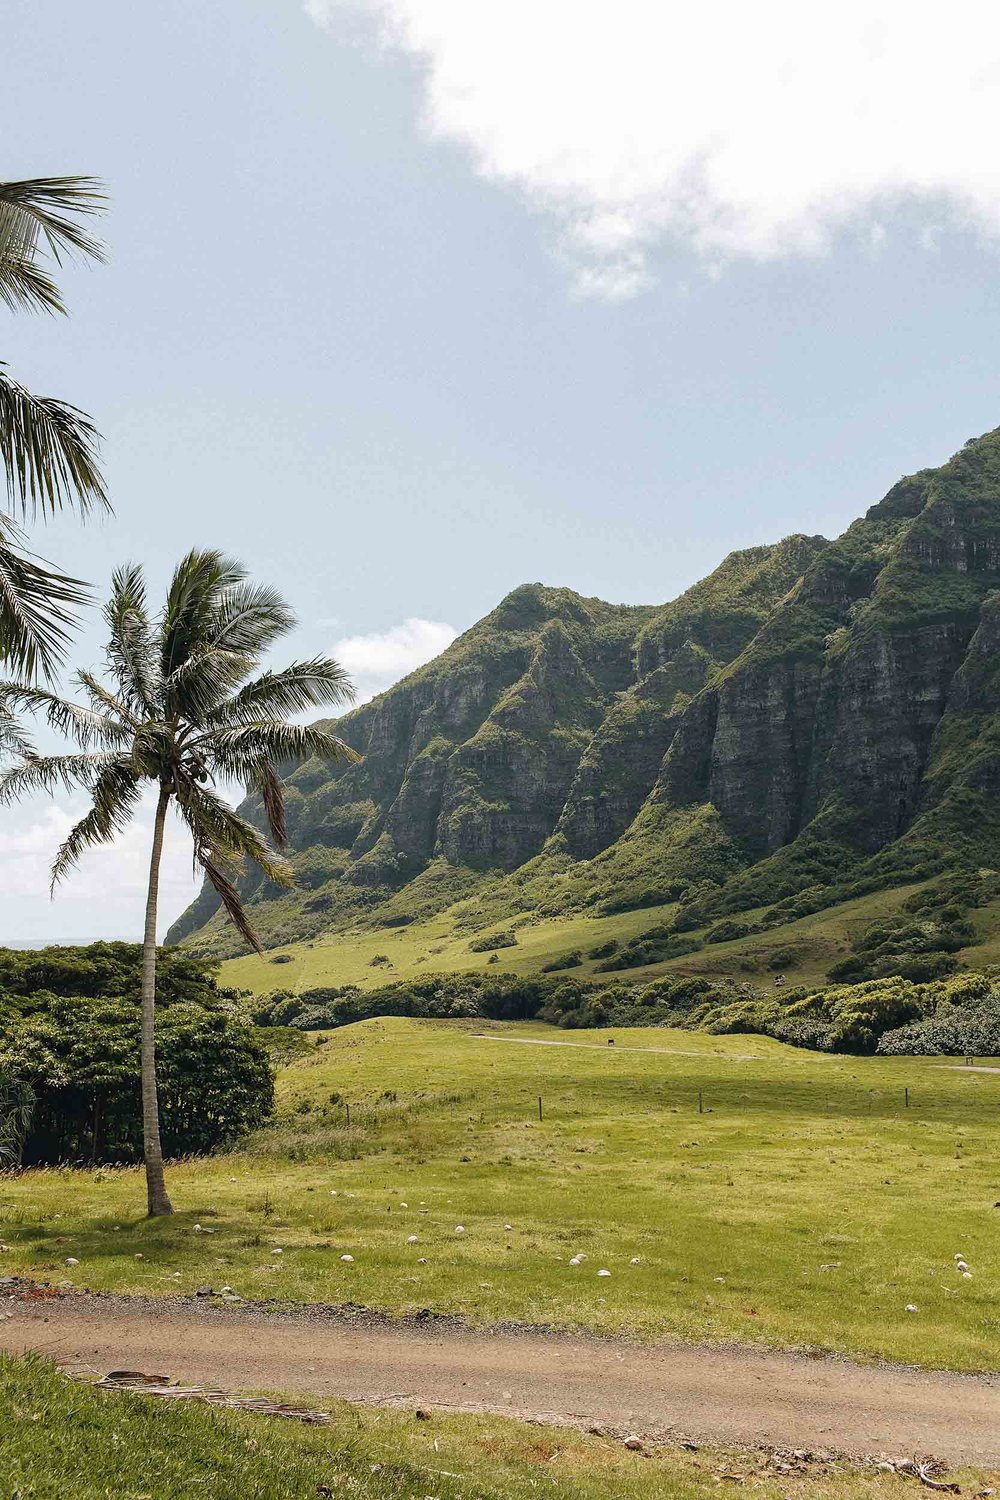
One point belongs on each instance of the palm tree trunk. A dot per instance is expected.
(156, 1188)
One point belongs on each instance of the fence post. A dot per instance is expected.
(906, 1093)
(348, 1108)
(700, 1111)
(539, 1106)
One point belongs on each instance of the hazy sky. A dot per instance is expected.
(411, 301)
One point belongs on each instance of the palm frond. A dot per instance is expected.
(16, 1109)
(85, 725)
(188, 624)
(35, 607)
(103, 699)
(273, 797)
(116, 793)
(216, 870)
(131, 648)
(49, 452)
(23, 283)
(36, 773)
(194, 689)
(249, 617)
(14, 743)
(305, 684)
(49, 210)
(242, 751)
(212, 822)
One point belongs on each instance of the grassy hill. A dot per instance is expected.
(735, 1188)
(803, 950)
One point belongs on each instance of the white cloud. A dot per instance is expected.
(105, 896)
(736, 129)
(374, 662)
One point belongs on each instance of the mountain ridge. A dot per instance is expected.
(811, 713)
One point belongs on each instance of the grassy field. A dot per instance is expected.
(59, 1439)
(439, 945)
(807, 1205)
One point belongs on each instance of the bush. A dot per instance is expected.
(493, 941)
(728, 931)
(80, 1058)
(564, 961)
(69, 1032)
(953, 1031)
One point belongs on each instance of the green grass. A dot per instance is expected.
(434, 946)
(440, 944)
(807, 1206)
(59, 1439)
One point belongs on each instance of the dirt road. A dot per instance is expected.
(710, 1394)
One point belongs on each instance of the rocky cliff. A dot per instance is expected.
(810, 714)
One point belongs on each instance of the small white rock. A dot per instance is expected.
(576, 1260)
(404, 1205)
(197, 1229)
(422, 1260)
(411, 1239)
(911, 1308)
(508, 1227)
(604, 1273)
(333, 1192)
(349, 1258)
(277, 1251)
(966, 1275)
(635, 1260)
(71, 1260)
(459, 1228)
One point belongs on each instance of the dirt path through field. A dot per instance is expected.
(723, 1395)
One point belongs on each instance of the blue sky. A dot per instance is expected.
(411, 301)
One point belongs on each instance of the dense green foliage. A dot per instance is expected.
(892, 1013)
(69, 1033)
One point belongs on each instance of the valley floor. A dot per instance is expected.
(737, 1190)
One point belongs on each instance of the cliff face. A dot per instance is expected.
(806, 708)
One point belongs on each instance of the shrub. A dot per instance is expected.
(728, 931)
(564, 961)
(492, 941)
(80, 1058)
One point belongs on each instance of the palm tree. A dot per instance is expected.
(48, 448)
(175, 709)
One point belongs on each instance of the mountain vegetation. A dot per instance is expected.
(813, 723)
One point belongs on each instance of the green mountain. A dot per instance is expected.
(812, 721)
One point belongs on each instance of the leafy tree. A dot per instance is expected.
(178, 708)
(48, 448)
(79, 1056)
